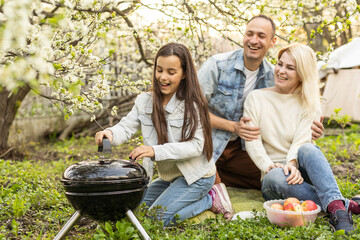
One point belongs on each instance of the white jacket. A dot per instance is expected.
(188, 155)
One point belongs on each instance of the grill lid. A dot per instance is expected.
(104, 170)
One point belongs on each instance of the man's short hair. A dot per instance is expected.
(266, 18)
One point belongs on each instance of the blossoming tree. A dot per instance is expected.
(70, 46)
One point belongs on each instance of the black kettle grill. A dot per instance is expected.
(104, 189)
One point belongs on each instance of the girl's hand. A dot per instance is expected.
(142, 151)
(101, 134)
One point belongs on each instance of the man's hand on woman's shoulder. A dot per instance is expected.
(246, 132)
(317, 129)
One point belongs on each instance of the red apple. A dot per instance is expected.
(309, 205)
(293, 207)
(291, 200)
(277, 206)
(298, 207)
(289, 207)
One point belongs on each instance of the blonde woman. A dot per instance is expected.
(284, 113)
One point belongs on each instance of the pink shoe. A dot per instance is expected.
(221, 201)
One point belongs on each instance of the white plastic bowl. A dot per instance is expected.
(289, 218)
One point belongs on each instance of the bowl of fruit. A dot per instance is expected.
(291, 212)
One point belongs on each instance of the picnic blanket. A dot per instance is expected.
(241, 199)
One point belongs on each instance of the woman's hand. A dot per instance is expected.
(295, 175)
(101, 134)
(275, 165)
(142, 151)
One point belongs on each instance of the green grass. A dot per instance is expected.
(33, 204)
(31, 198)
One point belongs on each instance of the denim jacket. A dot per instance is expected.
(222, 80)
(188, 155)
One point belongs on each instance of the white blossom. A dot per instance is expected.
(114, 111)
(76, 52)
(17, 14)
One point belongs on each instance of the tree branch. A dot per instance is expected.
(135, 34)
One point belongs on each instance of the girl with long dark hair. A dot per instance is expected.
(175, 125)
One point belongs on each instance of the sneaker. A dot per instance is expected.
(341, 220)
(221, 202)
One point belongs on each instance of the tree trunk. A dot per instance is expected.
(9, 105)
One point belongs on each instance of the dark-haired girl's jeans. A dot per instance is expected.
(178, 199)
(319, 182)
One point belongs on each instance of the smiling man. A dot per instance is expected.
(226, 79)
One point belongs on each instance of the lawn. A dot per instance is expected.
(33, 204)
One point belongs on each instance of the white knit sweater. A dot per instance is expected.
(284, 127)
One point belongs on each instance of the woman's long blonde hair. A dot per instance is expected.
(306, 68)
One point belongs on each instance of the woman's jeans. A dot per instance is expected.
(178, 198)
(319, 182)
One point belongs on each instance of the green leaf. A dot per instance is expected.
(108, 228)
(339, 233)
(58, 66)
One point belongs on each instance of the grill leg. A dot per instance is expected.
(66, 228)
(137, 224)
